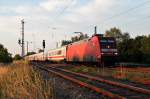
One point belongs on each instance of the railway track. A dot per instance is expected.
(107, 88)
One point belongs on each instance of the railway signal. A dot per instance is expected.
(19, 42)
(43, 44)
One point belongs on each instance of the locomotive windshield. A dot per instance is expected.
(108, 43)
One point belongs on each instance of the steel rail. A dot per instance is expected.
(83, 84)
(126, 69)
(133, 88)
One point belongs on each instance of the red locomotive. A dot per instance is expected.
(97, 49)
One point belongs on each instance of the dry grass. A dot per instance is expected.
(21, 81)
(3, 70)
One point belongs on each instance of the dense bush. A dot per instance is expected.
(17, 57)
(5, 57)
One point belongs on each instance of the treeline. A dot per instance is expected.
(131, 49)
(6, 57)
(135, 49)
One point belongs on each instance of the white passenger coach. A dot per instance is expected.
(57, 55)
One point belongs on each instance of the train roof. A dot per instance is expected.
(83, 40)
(79, 41)
(37, 54)
(58, 48)
(98, 35)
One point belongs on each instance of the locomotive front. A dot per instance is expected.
(108, 50)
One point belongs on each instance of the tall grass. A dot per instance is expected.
(21, 81)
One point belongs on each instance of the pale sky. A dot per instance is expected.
(54, 20)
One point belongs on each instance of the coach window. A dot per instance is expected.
(59, 52)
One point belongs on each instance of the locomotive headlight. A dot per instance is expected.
(116, 53)
(102, 53)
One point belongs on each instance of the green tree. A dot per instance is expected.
(125, 36)
(78, 38)
(5, 57)
(40, 50)
(135, 50)
(74, 39)
(117, 33)
(65, 42)
(145, 48)
(17, 57)
(31, 53)
(114, 32)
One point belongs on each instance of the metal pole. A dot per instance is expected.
(22, 22)
(95, 30)
(56, 44)
(27, 46)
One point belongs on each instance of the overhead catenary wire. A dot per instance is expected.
(55, 19)
(125, 12)
(136, 21)
(58, 15)
(63, 10)
(107, 19)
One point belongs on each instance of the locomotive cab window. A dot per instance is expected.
(107, 43)
(103, 41)
(111, 41)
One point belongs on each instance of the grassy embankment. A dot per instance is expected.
(140, 75)
(21, 81)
